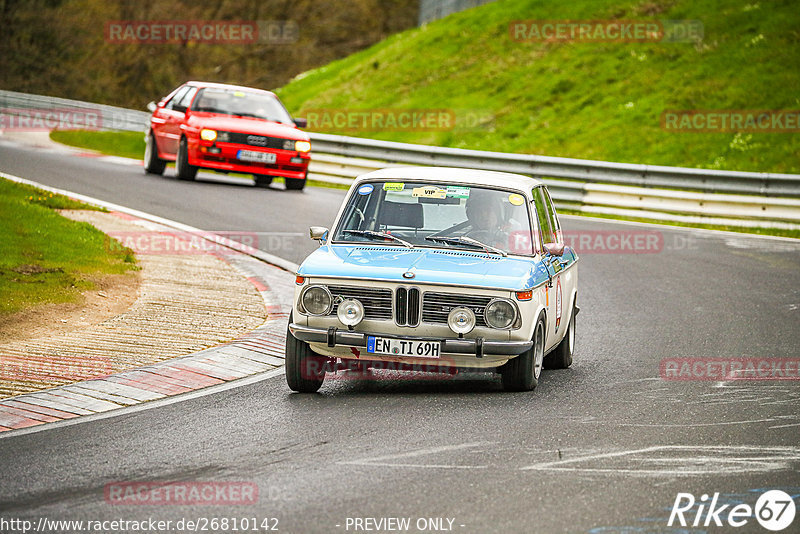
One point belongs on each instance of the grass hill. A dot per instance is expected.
(595, 100)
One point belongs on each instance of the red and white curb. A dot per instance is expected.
(259, 352)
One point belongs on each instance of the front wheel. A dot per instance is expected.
(305, 370)
(182, 167)
(262, 180)
(152, 163)
(522, 373)
(296, 184)
(561, 356)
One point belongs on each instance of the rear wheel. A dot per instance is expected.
(182, 167)
(262, 180)
(296, 184)
(152, 163)
(522, 373)
(305, 370)
(561, 357)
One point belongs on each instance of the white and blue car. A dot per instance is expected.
(436, 268)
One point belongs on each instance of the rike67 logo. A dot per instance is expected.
(774, 510)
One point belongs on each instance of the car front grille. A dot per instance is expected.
(377, 302)
(436, 306)
(411, 306)
(406, 306)
(261, 141)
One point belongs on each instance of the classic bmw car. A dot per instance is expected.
(227, 128)
(432, 268)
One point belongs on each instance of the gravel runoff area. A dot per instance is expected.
(192, 296)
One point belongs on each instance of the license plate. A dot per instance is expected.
(403, 347)
(252, 155)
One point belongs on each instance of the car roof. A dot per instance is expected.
(455, 175)
(227, 86)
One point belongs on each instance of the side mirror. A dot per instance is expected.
(318, 233)
(152, 106)
(300, 123)
(554, 249)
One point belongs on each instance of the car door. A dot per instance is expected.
(558, 289)
(167, 122)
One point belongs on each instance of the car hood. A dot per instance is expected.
(226, 123)
(429, 266)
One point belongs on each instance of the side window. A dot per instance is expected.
(543, 216)
(555, 225)
(173, 102)
(186, 99)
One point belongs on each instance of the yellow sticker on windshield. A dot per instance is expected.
(393, 186)
(516, 200)
(429, 192)
(238, 93)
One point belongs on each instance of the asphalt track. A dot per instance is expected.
(605, 446)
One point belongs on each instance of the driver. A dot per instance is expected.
(485, 216)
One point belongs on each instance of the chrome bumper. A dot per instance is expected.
(479, 346)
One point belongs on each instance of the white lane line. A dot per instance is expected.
(119, 412)
(385, 461)
(688, 425)
(420, 466)
(697, 460)
(784, 426)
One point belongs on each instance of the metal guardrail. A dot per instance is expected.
(648, 191)
(40, 112)
(706, 180)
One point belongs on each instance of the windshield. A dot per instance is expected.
(241, 103)
(437, 215)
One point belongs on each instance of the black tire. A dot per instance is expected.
(262, 180)
(522, 372)
(182, 167)
(152, 163)
(561, 356)
(296, 184)
(305, 370)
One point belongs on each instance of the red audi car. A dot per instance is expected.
(227, 128)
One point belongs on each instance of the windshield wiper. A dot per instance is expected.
(464, 240)
(243, 114)
(370, 233)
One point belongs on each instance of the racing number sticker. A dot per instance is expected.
(558, 302)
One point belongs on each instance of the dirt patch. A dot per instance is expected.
(113, 295)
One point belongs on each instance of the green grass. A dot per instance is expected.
(123, 144)
(47, 258)
(593, 100)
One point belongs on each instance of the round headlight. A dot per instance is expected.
(208, 135)
(302, 146)
(350, 312)
(461, 320)
(500, 313)
(317, 300)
